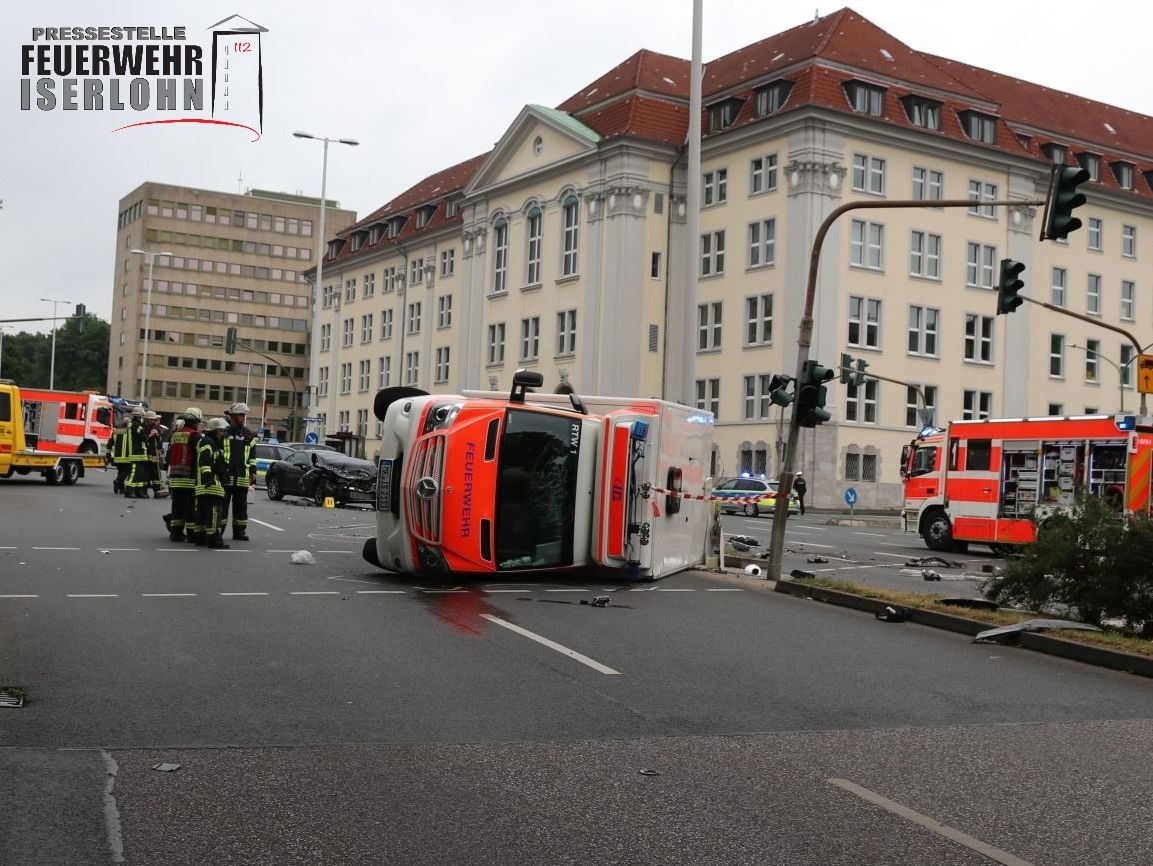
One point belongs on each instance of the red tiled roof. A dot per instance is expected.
(646, 71)
(641, 117)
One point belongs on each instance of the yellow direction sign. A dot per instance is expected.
(1145, 374)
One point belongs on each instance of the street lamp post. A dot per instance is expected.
(1097, 356)
(147, 316)
(318, 287)
(52, 363)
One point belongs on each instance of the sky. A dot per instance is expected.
(422, 86)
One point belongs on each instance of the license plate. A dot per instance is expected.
(384, 486)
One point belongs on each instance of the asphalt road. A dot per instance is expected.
(332, 714)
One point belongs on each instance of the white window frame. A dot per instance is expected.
(757, 397)
(384, 371)
(867, 245)
(924, 325)
(715, 187)
(412, 319)
(444, 311)
(980, 265)
(386, 324)
(534, 224)
(366, 330)
(861, 402)
(566, 332)
(1093, 295)
(864, 322)
(441, 369)
(570, 236)
(496, 343)
(712, 261)
(1056, 356)
(411, 367)
(976, 405)
(763, 174)
(1058, 286)
(1092, 361)
(500, 257)
(1128, 300)
(1129, 242)
(978, 344)
(763, 243)
(709, 395)
(1095, 230)
(981, 193)
(928, 184)
(709, 326)
(868, 174)
(759, 320)
(925, 255)
(530, 338)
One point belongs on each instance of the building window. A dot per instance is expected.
(983, 194)
(322, 383)
(757, 397)
(763, 243)
(366, 328)
(386, 324)
(566, 332)
(1128, 287)
(1092, 352)
(571, 238)
(391, 278)
(979, 264)
(861, 402)
(441, 372)
(1091, 162)
(868, 174)
(325, 337)
(411, 367)
(1056, 356)
(771, 98)
(763, 174)
(535, 226)
(349, 331)
(928, 185)
(1093, 295)
(1057, 287)
(365, 377)
(350, 291)
(1129, 241)
(530, 338)
(416, 272)
(384, 372)
(915, 414)
(655, 266)
(866, 98)
(413, 325)
(444, 311)
(713, 253)
(1123, 172)
(1095, 233)
(369, 285)
(709, 395)
(709, 327)
(925, 255)
(496, 333)
(759, 320)
(346, 378)
(448, 262)
(866, 245)
(864, 322)
(860, 467)
(976, 405)
(715, 189)
(923, 331)
(979, 338)
(1126, 366)
(925, 113)
(979, 127)
(500, 257)
(723, 114)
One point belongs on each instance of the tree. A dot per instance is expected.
(82, 354)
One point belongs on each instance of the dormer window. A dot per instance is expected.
(395, 226)
(925, 113)
(450, 207)
(722, 114)
(358, 240)
(374, 234)
(978, 126)
(866, 98)
(334, 247)
(1055, 152)
(1091, 162)
(1123, 172)
(772, 97)
(424, 215)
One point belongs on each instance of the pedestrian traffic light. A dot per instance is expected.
(811, 394)
(1009, 285)
(230, 341)
(779, 389)
(857, 379)
(846, 368)
(1063, 198)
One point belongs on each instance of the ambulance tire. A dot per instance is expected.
(938, 532)
(385, 397)
(369, 553)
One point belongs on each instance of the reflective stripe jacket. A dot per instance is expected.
(210, 467)
(239, 454)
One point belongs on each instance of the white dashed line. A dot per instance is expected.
(381, 592)
(316, 592)
(19, 596)
(566, 590)
(55, 548)
(92, 595)
(724, 590)
(230, 594)
(266, 525)
(168, 595)
(544, 641)
(670, 589)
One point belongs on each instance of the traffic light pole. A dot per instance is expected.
(805, 340)
(920, 392)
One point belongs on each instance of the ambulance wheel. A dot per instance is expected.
(751, 509)
(938, 532)
(369, 553)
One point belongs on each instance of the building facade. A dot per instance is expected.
(563, 248)
(218, 261)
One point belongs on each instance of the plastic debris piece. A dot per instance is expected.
(166, 768)
(601, 601)
(1011, 631)
(753, 569)
(796, 572)
(892, 614)
(303, 557)
(929, 574)
(106, 551)
(816, 559)
(650, 772)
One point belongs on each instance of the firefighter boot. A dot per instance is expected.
(216, 542)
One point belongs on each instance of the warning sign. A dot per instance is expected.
(1145, 374)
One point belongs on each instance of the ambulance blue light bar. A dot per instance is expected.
(640, 431)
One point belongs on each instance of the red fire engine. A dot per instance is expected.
(68, 422)
(994, 481)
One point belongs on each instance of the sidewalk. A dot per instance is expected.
(858, 517)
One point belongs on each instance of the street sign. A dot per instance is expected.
(308, 420)
(1145, 374)
(311, 438)
(851, 496)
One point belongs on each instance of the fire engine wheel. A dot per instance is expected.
(71, 471)
(751, 509)
(272, 488)
(89, 447)
(938, 532)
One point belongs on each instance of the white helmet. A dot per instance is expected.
(151, 416)
(238, 409)
(193, 412)
(217, 424)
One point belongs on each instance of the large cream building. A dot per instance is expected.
(563, 249)
(218, 260)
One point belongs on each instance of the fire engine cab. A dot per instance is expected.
(994, 481)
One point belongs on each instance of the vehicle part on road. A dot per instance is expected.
(801, 575)
(924, 561)
(893, 614)
(929, 574)
(753, 569)
(601, 601)
(166, 768)
(1011, 631)
(303, 557)
(816, 559)
(973, 603)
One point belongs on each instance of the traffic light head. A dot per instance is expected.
(811, 395)
(858, 378)
(1063, 198)
(81, 312)
(779, 389)
(846, 368)
(1009, 286)
(230, 341)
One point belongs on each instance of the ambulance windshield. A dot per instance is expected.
(536, 489)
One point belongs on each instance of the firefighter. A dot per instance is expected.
(118, 451)
(239, 453)
(182, 476)
(154, 448)
(136, 484)
(211, 471)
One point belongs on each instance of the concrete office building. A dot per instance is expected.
(563, 249)
(218, 260)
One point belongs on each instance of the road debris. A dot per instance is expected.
(303, 557)
(1008, 632)
(893, 614)
(166, 768)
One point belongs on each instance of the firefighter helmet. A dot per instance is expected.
(238, 409)
(217, 424)
(193, 412)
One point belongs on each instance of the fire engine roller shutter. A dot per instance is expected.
(1139, 469)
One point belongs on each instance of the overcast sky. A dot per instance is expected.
(422, 86)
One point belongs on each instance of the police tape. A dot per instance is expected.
(702, 497)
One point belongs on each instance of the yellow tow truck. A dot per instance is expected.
(17, 457)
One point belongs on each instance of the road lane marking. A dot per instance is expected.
(724, 590)
(92, 595)
(883, 553)
(544, 641)
(381, 592)
(168, 595)
(872, 534)
(19, 596)
(507, 590)
(243, 593)
(950, 833)
(316, 592)
(566, 590)
(55, 548)
(671, 589)
(266, 525)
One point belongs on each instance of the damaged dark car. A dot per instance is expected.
(318, 475)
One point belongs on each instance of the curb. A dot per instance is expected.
(1036, 641)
